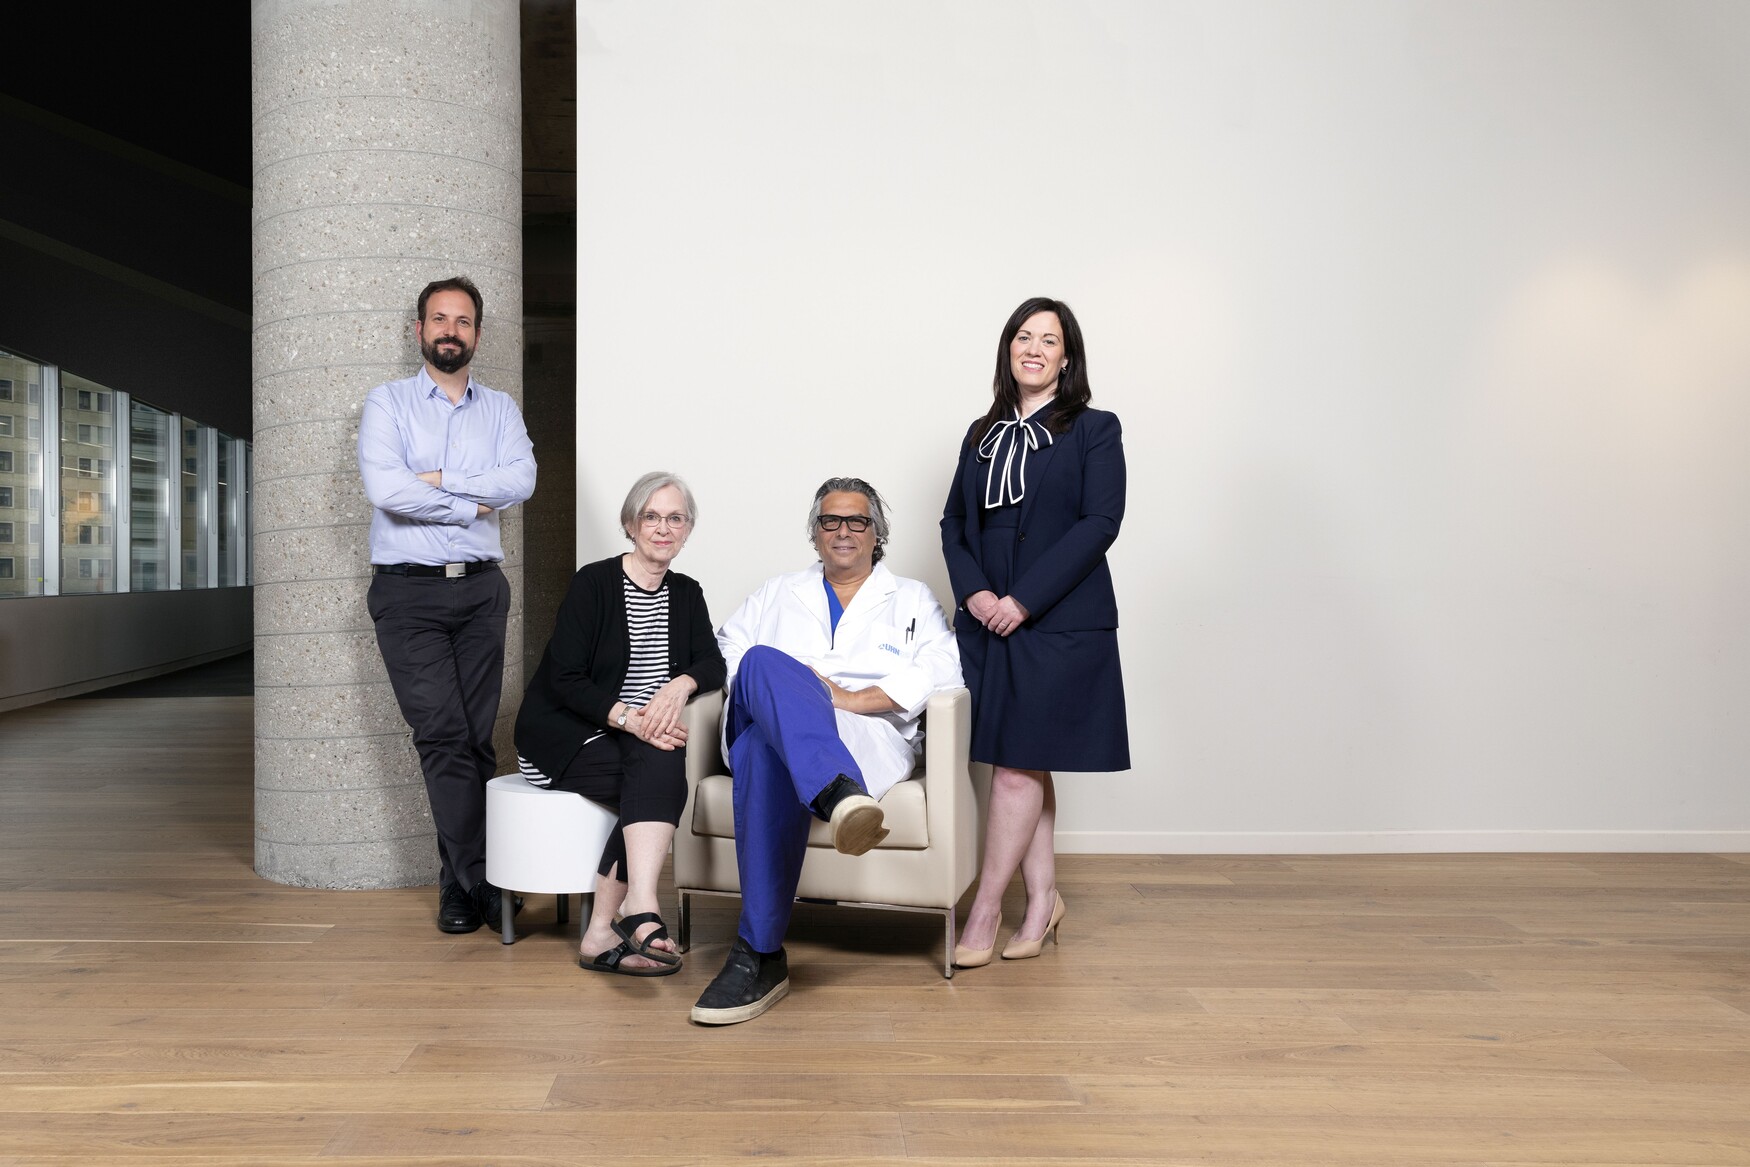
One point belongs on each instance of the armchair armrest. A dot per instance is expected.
(955, 790)
(704, 715)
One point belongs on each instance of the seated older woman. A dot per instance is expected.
(602, 716)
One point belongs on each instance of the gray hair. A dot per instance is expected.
(877, 508)
(645, 489)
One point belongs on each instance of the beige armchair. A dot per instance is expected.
(924, 865)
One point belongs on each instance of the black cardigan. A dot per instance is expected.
(579, 680)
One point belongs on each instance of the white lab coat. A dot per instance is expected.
(892, 634)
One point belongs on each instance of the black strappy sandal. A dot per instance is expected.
(626, 928)
(608, 961)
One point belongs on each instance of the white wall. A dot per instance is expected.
(1429, 324)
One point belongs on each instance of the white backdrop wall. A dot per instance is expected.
(1429, 325)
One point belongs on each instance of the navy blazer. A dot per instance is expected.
(1069, 517)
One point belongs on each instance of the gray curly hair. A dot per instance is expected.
(877, 509)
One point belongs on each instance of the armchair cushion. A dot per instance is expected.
(714, 815)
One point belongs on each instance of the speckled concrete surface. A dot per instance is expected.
(387, 140)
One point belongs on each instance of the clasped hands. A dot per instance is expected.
(1000, 616)
(659, 723)
(436, 478)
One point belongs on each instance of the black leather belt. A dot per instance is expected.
(443, 570)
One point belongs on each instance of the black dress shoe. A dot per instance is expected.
(748, 985)
(488, 902)
(456, 910)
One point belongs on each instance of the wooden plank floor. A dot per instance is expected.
(160, 1004)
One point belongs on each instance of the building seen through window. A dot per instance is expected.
(149, 483)
(88, 488)
(196, 497)
(133, 498)
(21, 474)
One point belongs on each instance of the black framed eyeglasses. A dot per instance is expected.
(857, 523)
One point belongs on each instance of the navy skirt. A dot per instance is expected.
(1040, 700)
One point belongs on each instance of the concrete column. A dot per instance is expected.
(388, 153)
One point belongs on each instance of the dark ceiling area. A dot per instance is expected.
(125, 232)
(124, 238)
(178, 88)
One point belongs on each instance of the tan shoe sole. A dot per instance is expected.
(857, 825)
(741, 1013)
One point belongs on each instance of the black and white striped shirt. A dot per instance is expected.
(647, 630)
(647, 668)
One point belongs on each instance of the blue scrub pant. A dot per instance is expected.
(784, 749)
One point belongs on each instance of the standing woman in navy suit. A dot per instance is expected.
(1035, 503)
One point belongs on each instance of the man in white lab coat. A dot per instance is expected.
(829, 670)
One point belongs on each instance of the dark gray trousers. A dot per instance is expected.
(443, 643)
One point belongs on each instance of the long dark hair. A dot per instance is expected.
(1073, 393)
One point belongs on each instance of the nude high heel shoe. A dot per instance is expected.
(1018, 949)
(965, 957)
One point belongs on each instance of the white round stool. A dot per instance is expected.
(547, 841)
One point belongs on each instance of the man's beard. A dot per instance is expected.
(447, 360)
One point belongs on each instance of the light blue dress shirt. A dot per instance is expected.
(480, 445)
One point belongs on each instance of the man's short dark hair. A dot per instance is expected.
(454, 284)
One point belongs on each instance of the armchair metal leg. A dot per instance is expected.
(684, 923)
(948, 945)
(507, 909)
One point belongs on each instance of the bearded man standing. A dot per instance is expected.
(441, 455)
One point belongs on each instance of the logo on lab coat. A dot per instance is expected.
(885, 647)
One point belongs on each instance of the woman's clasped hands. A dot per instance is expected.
(1000, 616)
(660, 723)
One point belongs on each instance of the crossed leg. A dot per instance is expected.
(1018, 834)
